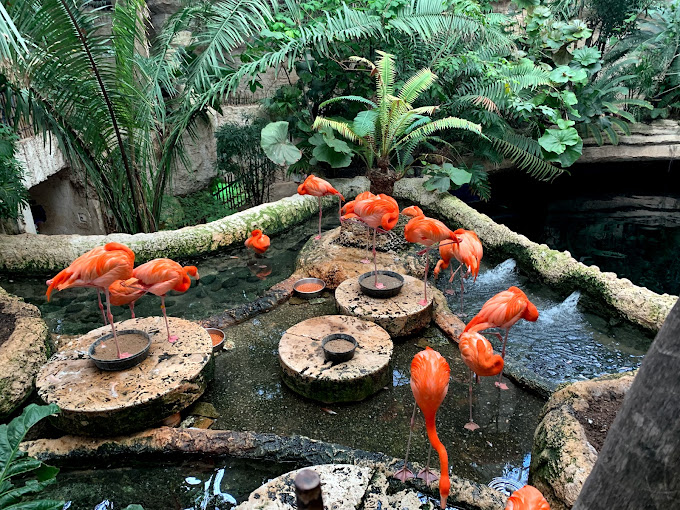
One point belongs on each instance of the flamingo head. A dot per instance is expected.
(302, 189)
(531, 312)
(389, 221)
(441, 264)
(444, 488)
(256, 233)
(414, 211)
(192, 271)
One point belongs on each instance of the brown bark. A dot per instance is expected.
(382, 180)
(639, 463)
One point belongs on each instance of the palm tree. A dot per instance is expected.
(118, 108)
(389, 132)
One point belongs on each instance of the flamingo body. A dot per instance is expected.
(379, 211)
(427, 231)
(429, 383)
(413, 211)
(477, 353)
(467, 251)
(348, 208)
(318, 187)
(123, 294)
(258, 242)
(527, 498)
(503, 310)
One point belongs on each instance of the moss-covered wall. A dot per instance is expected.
(41, 254)
(638, 305)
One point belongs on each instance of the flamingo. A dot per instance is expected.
(160, 276)
(429, 383)
(317, 187)
(347, 212)
(98, 268)
(467, 251)
(428, 231)
(382, 212)
(527, 498)
(121, 294)
(502, 311)
(478, 355)
(258, 242)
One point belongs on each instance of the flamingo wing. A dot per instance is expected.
(429, 379)
(477, 353)
(527, 498)
(159, 276)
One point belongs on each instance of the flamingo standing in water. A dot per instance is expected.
(347, 213)
(467, 251)
(160, 276)
(378, 212)
(98, 268)
(429, 383)
(123, 295)
(258, 242)
(527, 498)
(478, 355)
(317, 187)
(503, 311)
(428, 231)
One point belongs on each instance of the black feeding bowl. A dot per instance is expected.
(125, 363)
(309, 295)
(339, 347)
(393, 287)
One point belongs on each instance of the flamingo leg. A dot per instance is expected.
(462, 291)
(368, 244)
(471, 425)
(101, 306)
(405, 473)
(113, 328)
(375, 264)
(426, 474)
(320, 213)
(340, 209)
(171, 338)
(423, 302)
(499, 383)
(132, 309)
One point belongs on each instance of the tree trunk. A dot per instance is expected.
(639, 465)
(382, 180)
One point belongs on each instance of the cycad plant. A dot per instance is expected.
(388, 133)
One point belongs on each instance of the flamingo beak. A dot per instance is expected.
(443, 502)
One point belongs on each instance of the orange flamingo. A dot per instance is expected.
(98, 268)
(319, 188)
(527, 498)
(503, 311)
(413, 211)
(258, 242)
(478, 355)
(428, 231)
(382, 212)
(429, 383)
(124, 295)
(467, 251)
(160, 276)
(348, 213)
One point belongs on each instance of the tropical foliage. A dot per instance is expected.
(13, 193)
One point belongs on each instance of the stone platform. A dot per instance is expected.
(100, 403)
(307, 372)
(400, 315)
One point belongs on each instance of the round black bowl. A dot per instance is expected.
(217, 347)
(380, 293)
(309, 295)
(339, 357)
(125, 363)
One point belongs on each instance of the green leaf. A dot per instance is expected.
(556, 141)
(276, 145)
(457, 175)
(364, 122)
(337, 153)
(439, 183)
(133, 507)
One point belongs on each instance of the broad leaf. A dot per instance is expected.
(364, 122)
(276, 145)
(439, 183)
(331, 150)
(557, 140)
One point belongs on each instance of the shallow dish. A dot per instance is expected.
(338, 355)
(130, 361)
(393, 284)
(215, 331)
(305, 281)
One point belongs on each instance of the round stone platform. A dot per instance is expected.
(307, 372)
(101, 403)
(401, 315)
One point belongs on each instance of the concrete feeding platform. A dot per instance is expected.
(400, 315)
(307, 372)
(100, 403)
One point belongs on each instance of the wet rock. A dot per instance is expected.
(638, 305)
(22, 353)
(207, 279)
(563, 453)
(205, 409)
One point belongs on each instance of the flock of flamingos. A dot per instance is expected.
(110, 269)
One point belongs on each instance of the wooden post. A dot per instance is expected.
(308, 490)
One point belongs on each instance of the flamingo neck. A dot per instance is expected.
(444, 481)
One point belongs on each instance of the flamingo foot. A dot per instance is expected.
(403, 474)
(173, 338)
(450, 292)
(365, 261)
(124, 355)
(317, 237)
(471, 426)
(501, 385)
(428, 476)
(423, 302)
(379, 285)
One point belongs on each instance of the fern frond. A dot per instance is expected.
(341, 127)
(439, 124)
(533, 165)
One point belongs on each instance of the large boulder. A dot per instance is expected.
(24, 348)
(573, 426)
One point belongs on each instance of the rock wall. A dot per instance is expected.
(639, 305)
(40, 254)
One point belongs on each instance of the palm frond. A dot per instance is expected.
(533, 165)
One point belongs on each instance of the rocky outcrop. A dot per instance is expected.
(573, 425)
(22, 353)
(638, 305)
(30, 253)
